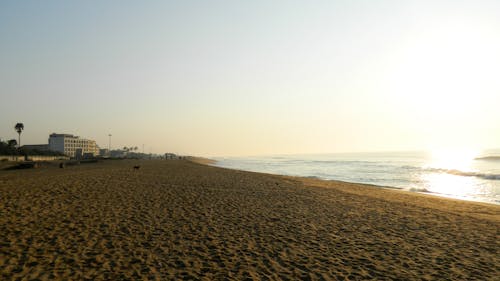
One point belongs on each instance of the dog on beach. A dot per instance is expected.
(137, 167)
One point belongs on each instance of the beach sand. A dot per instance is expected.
(178, 220)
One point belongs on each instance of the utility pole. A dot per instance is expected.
(109, 145)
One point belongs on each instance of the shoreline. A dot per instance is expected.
(212, 162)
(363, 189)
(177, 219)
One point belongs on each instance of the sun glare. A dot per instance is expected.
(451, 185)
(448, 173)
(452, 159)
(445, 74)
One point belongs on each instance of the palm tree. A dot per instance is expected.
(19, 128)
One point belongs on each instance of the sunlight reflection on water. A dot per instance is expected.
(452, 185)
(457, 174)
(445, 181)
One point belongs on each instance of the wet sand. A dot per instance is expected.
(178, 220)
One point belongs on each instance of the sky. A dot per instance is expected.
(236, 78)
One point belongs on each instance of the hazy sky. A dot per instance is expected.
(217, 78)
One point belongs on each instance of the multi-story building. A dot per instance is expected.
(72, 146)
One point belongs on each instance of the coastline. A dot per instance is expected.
(182, 220)
(390, 193)
(413, 190)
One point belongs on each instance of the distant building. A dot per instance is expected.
(39, 147)
(89, 155)
(170, 156)
(118, 153)
(104, 152)
(73, 146)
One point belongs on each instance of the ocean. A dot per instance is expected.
(466, 176)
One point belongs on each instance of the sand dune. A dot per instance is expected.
(175, 220)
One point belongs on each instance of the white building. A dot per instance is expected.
(73, 146)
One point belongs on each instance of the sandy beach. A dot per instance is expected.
(179, 220)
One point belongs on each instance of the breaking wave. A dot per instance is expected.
(419, 189)
(397, 170)
(467, 174)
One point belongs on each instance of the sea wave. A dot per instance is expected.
(341, 162)
(408, 172)
(489, 158)
(419, 189)
(466, 174)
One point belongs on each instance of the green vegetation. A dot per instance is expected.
(13, 147)
(9, 148)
